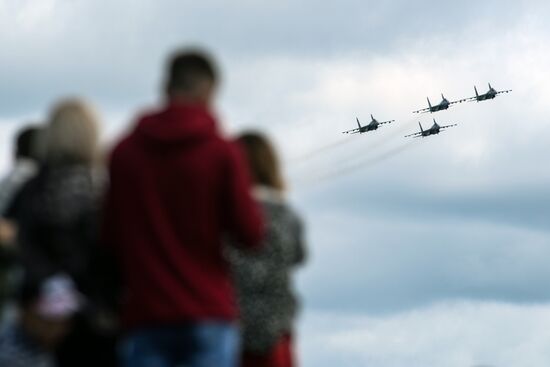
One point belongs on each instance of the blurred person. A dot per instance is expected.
(263, 279)
(43, 321)
(177, 188)
(57, 214)
(8, 232)
(24, 167)
(26, 161)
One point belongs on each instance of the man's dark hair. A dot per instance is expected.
(25, 143)
(187, 69)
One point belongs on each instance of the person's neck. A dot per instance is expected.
(268, 193)
(187, 99)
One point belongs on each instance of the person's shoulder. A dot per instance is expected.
(277, 207)
(230, 148)
(223, 149)
(126, 140)
(287, 212)
(125, 144)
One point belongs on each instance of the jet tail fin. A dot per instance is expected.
(429, 103)
(358, 123)
(421, 129)
(477, 94)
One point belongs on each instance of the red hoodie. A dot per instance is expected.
(177, 188)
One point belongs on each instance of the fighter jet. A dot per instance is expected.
(435, 129)
(443, 105)
(491, 93)
(373, 125)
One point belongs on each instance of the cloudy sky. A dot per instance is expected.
(424, 252)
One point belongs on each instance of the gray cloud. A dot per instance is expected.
(112, 52)
(380, 264)
(448, 334)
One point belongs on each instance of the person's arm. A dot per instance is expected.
(301, 251)
(8, 232)
(242, 213)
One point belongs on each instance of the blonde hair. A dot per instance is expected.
(72, 133)
(262, 160)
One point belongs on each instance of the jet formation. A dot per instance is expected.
(445, 104)
(441, 106)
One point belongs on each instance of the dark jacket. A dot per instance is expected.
(57, 217)
(176, 189)
(264, 278)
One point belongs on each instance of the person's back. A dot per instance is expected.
(264, 283)
(177, 188)
(56, 211)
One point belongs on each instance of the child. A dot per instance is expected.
(266, 299)
(44, 319)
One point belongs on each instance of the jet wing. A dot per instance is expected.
(386, 122)
(459, 101)
(504, 91)
(447, 126)
(470, 99)
(354, 131)
(424, 110)
(415, 135)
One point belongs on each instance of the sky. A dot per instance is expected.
(423, 252)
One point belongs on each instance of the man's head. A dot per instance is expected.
(191, 77)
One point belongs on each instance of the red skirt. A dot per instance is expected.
(281, 355)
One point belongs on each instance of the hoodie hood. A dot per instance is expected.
(177, 123)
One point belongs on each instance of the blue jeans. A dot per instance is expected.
(202, 344)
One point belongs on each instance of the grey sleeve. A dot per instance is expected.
(300, 250)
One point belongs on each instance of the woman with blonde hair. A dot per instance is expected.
(263, 278)
(72, 134)
(57, 213)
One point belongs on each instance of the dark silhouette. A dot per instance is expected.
(25, 165)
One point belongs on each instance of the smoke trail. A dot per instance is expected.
(388, 136)
(319, 150)
(342, 170)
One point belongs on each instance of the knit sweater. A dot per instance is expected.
(267, 301)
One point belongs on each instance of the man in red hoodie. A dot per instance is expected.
(177, 189)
